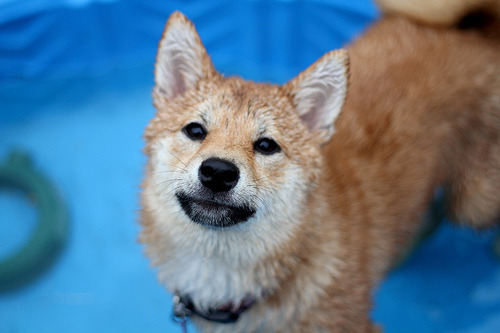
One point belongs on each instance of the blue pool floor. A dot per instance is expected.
(85, 134)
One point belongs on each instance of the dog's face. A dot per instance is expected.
(233, 154)
(231, 163)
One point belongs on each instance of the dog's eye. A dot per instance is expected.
(195, 131)
(266, 146)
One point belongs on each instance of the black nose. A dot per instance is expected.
(218, 175)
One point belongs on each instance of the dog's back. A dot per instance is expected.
(422, 111)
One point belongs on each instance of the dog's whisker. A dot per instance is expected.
(166, 182)
(261, 187)
(169, 171)
(174, 166)
(197, 109)
(173, 154)
(167, 193)
(188, 225)
(270, 175)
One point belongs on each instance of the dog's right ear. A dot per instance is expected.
(182, 60)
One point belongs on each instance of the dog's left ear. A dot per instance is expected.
(182, 60)
(319, 92)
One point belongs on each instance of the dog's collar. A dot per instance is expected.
(183, 308)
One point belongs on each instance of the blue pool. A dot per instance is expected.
(75, 93)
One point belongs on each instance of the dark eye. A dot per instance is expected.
(195, 131)
(266, 146)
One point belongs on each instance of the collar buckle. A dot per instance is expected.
(180, 313)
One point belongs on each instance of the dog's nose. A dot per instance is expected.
(218, 175)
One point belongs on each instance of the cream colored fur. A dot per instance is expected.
(441, 12)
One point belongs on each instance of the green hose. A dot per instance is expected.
(52, 228)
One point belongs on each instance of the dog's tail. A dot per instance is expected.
(482, 15)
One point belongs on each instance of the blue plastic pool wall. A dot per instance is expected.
(75, 84)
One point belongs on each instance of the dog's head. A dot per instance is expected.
(233, 156)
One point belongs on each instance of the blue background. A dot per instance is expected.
(75, 91)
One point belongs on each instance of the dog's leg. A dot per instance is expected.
(474, 195)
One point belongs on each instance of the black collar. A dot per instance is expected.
(183, 308)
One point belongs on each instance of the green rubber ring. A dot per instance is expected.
(52, 228)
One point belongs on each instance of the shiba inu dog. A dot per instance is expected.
(279, 207)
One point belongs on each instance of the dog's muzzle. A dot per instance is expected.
(212, 212)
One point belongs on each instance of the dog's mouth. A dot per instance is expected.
(214, 213)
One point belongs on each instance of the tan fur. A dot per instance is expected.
(440, 12)
(422, 110)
